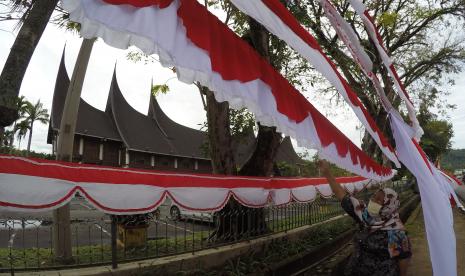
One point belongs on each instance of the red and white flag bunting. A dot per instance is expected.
(375, 36)
(278, 20)
(186, 35)
(437, 211)
(408, 148)
(37, 185)
(449, 185)
(350, 39)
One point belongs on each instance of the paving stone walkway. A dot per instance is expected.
(420, 263)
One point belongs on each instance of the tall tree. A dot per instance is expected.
(421, 37)
(21, 105)
(35, 20)
(438, 133)
(21, 129)
(35, 112)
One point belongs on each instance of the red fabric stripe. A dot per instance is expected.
(105, 175)
(453, 177)
(231, 57)
(452, 201)
(136, 210)
(141, 3)
(423, 155)
(234, 59)
(378, 35)
(402, 87)
(281, 11)
(42, 206)
(381, 43)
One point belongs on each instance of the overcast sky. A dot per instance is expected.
(182, 104)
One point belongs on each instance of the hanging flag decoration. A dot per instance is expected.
(435, 203)
(36, 185)
(375, 36)
(408, 149)
(187, 36)
(350, 39)
(348, 36)
(449, 184)
(278, 20)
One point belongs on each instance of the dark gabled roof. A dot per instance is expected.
(286, 153)
(138, 131)
(154, 133)
(184, 140)
(90, 121)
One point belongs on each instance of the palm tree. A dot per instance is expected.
(21, 129)
(35, 112)
(34, 20)
(21, 104)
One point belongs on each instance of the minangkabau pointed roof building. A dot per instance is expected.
(122, 136)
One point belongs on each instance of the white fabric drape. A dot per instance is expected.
(435, 204)
(161, 31)
(40, 185)
(279, 23)
(372, 31)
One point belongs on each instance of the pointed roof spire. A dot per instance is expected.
(90, 121)
(138, 131)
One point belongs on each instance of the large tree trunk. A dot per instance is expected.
(30, 139)
(19, 57)
(236, 221)
(220, 146)
(219, 135)
(268, 140)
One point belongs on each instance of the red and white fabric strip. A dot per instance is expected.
(449, 185)
(350, 39)
(186, 35)
(278, 20)
(375, 36)
(38, 185)
(435, 202)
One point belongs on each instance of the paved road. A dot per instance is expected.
(89, 227)
(92, 227)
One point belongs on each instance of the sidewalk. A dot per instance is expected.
(420, 263)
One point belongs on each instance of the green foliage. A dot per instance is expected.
(388, 19)
(308, 168)
(436, 140)
(281, 249)
(242, 123)
(160, 89)
(454, 160)
(23, 153)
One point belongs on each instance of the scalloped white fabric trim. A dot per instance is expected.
(123, 26)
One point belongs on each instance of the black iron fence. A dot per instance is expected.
(27, 241)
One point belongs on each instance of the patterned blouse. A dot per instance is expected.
(375, 252)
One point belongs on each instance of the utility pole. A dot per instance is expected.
(61, 216)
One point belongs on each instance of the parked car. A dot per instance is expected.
(179, 213)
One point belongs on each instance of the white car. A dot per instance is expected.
(178, 213)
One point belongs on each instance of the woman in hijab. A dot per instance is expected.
(381, 247)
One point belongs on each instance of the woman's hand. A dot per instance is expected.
(336, 187)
